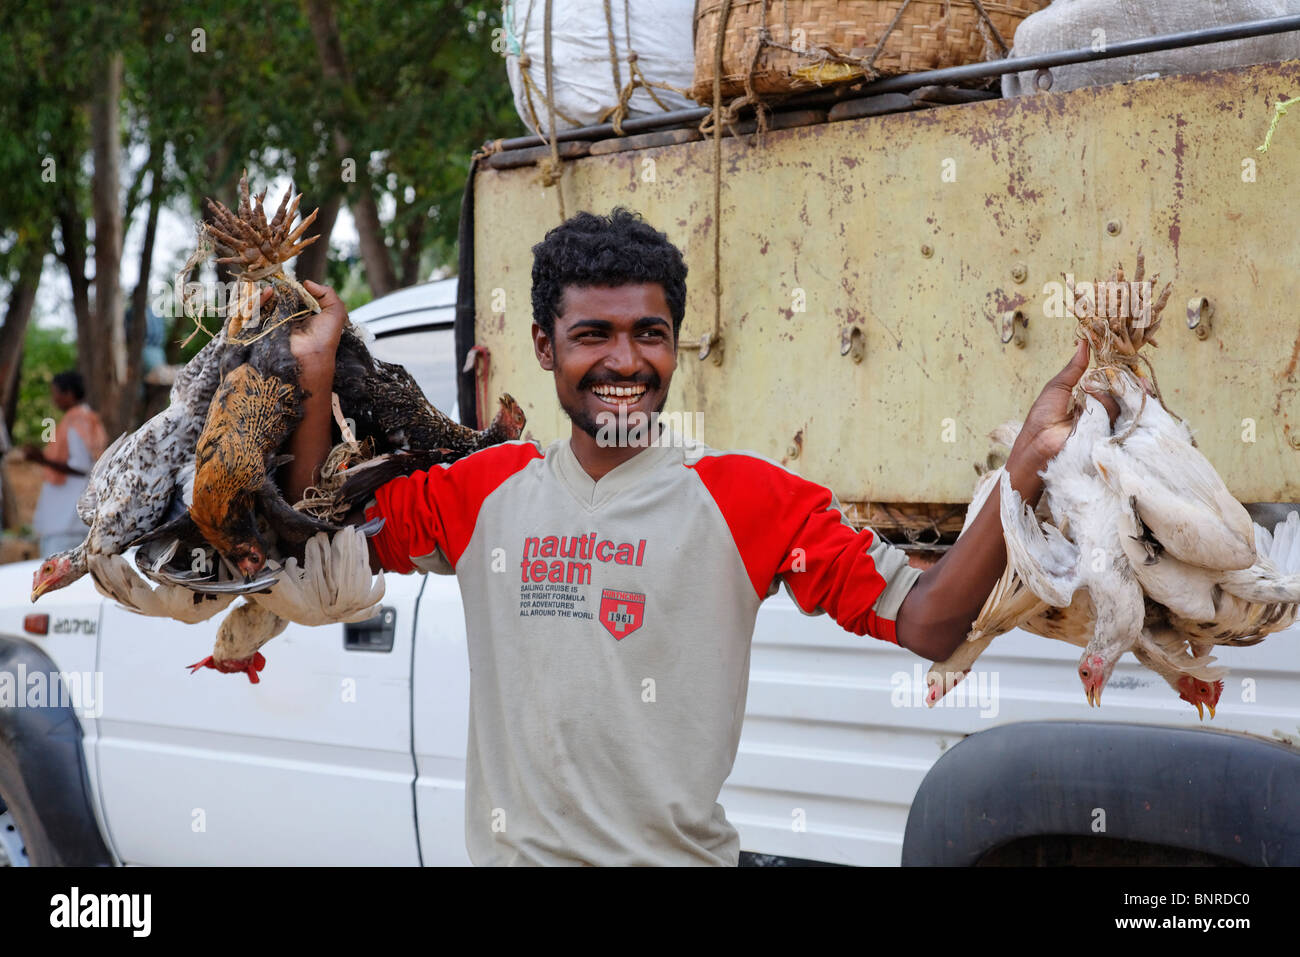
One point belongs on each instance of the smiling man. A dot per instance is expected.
(609, 651)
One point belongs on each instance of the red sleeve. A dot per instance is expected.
(786, 526)
(437, 510)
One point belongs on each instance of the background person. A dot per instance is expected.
(79, 439)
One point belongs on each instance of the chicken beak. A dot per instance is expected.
(1200, 711)
(1088, 692)
(1211, 707)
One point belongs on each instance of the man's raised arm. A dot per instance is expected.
(314, 343)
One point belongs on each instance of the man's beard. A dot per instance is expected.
(607, 421)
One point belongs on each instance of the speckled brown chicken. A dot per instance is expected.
(259, 402)
(363, 479)
(388, 406)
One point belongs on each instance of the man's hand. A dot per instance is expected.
(1048, 424)
(315, 340)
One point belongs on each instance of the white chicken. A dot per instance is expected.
(1146, 549)
(1255, 602)
(333, 584)
(115, 579)
(1012, 604)
(241, 633)
(1154, 465)
(1055, 566)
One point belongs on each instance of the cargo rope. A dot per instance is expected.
(1279, 111)
(550, 168)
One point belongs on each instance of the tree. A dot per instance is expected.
(346, 116)
(418, 84)
(111, 113)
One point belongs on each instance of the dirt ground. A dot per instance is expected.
(24, 484)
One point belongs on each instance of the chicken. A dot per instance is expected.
(1197, 680)
(1173, 488)
(387, 406)
(1146, 549)
(132, 484)
(239, 636)
(177, 555)
(1252, 603)
(258, 403)
(251, 416)
(114, 579)
(333, 583)
(358, 484)
(1054, 567)
(1012, 604)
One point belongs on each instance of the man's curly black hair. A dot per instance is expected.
(614, 250)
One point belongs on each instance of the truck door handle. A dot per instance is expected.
(373, 634)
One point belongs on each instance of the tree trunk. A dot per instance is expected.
(72, 230)
(411, 254)
(374, 254)
(22, 296)
(312, 261)
(133, 394)
(106, 341)
(222, 184)
(361, 200)
(10, 398)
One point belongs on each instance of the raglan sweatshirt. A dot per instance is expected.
(609, 626)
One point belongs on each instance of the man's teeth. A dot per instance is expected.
(619, 391)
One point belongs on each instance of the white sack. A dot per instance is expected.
(661, 35)
(1071, 25)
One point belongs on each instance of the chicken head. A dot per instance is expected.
(58, 571)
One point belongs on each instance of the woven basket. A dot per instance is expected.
(930, 35)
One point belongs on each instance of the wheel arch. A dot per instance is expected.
(43, 773)
(1223, 793)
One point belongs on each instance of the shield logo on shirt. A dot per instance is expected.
(621, 612)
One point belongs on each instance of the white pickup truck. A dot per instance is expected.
(351, 750)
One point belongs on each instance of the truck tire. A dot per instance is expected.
(1136, 790)
(44, 783)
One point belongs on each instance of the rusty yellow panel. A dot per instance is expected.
(922, 230)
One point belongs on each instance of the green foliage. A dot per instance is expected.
(45, 352)
(435, 91)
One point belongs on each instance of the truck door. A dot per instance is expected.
(310, 766)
